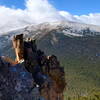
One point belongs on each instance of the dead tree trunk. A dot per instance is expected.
(18, 45)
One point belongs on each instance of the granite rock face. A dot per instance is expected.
(16, 82)
(32, 76)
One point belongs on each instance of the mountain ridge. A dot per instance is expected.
(55, 25)
(78, 49)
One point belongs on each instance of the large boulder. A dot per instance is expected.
(16, 82)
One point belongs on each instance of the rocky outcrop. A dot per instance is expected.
(33, 76)
(15, 82)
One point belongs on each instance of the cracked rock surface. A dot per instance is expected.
(16, 82)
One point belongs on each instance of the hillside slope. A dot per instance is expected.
(76, 45)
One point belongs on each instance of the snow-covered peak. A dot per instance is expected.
(65, 27)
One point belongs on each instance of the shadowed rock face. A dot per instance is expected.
(15, 82)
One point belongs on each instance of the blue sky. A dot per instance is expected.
(11, 3)
(76, 7)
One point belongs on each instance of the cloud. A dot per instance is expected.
(68, 16)
(42, 11)
(11, 19)
(36, 11)
(39, 11)
(92, 18)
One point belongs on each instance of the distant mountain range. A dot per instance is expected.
(76, 45)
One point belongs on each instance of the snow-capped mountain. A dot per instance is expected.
(76, 45)
(70, 29)
(64, 27)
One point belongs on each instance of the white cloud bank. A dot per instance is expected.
(38, 11)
